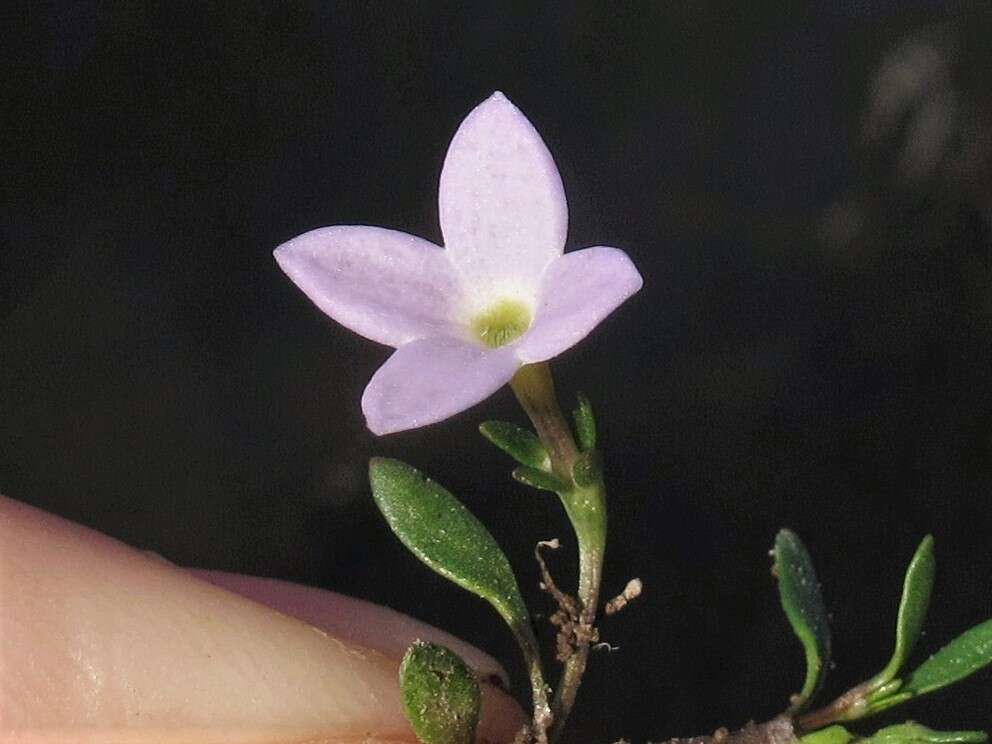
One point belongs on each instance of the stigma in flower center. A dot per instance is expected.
(501, 323)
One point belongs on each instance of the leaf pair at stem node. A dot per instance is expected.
(802, 601)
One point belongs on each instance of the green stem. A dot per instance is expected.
(591, 550)
(586, 509)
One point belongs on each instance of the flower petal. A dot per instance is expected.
(385, 285)
(501, 202)
(431, 379)
(577, 292)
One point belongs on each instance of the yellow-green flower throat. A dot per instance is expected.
(502, 323)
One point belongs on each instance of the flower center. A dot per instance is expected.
(501, 323)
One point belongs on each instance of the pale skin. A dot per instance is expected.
(103, 643)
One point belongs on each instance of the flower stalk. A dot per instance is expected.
(585, 504)
(535, 390)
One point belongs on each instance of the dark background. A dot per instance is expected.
(807, 190)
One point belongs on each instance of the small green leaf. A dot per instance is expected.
(519, 443)
(585, 425)
(588, 469)
(914, 733)
(829, 735)
(445, 535)
(441, 696)
(538, 479)
(884, 702)
(960, 658)
(799, 592)
(913, 607)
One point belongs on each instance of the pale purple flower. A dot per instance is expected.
(500, 294)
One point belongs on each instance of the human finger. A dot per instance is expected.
(102, 643)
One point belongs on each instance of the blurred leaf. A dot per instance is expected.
(914, 733)
(886, 690)
(538, 479)
(882, 701)
(442, 533)
(799, 592)
(519, 443)
(588, 469)
(916, 590)
(585, 425)
(960, 658)
(441, 696)
(829, 735)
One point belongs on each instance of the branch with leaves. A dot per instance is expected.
(804, 607)
(442, 533)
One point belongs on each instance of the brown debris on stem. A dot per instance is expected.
(776, 731)
(573, 631)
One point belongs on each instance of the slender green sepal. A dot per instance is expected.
(829, 735)
(916, 590)
(588, 469)
(585, 425)
(538, 479)
(519, 443)
(962, 657)
(914, 733)
(441, 696)
(442, 533)
(802, 602)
